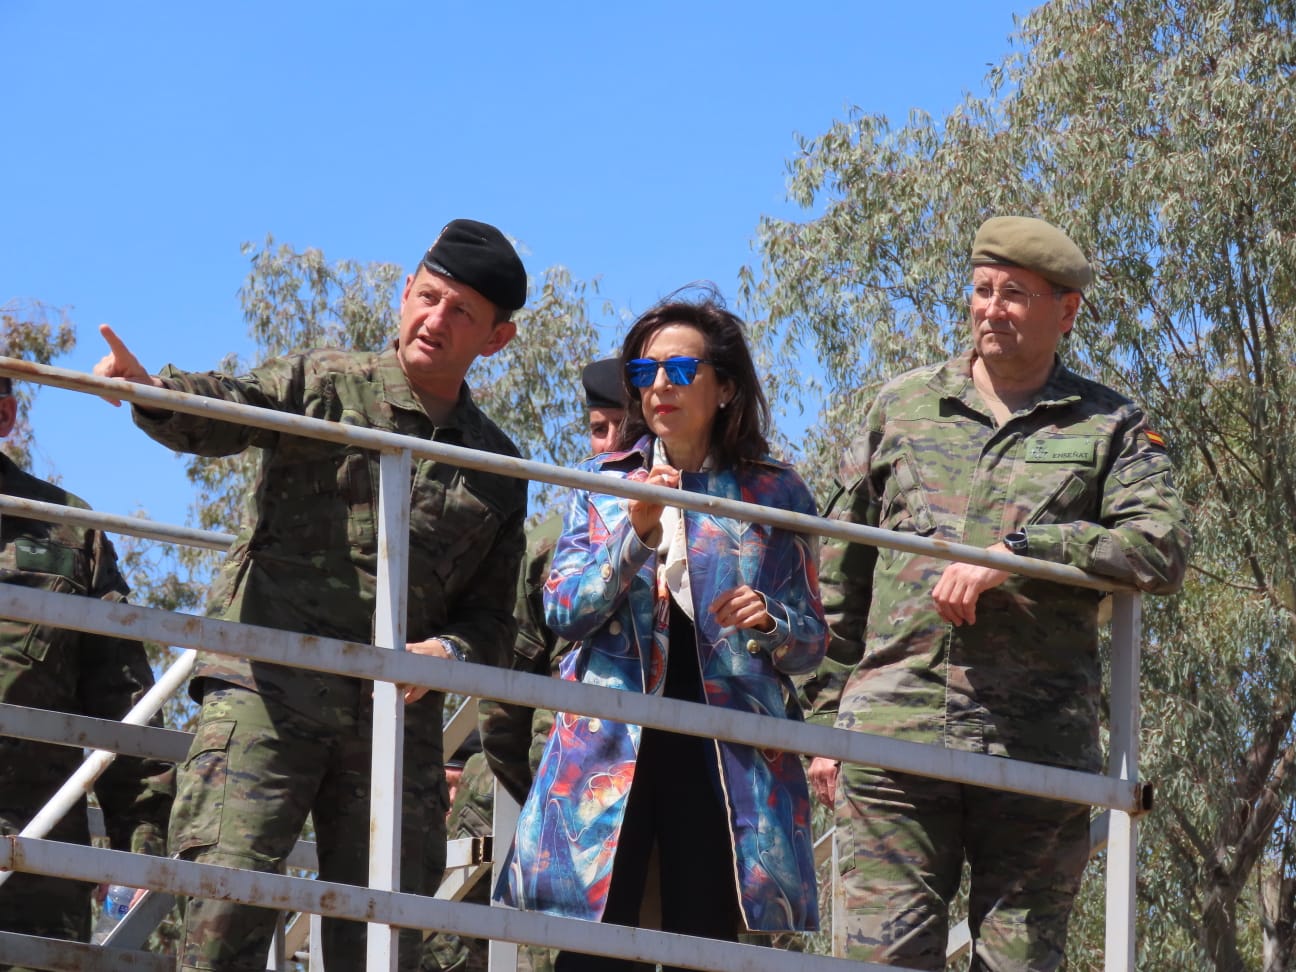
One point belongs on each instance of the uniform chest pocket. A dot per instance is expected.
(452, 525)
(320, 501)
(46, 566)
(905, 506)
(1064, 503)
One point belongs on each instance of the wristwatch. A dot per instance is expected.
(451, 648)
(1016, 542)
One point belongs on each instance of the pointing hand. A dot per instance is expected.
(120, 363)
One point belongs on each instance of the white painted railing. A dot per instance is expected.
(386, 909)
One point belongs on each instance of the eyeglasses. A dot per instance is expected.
(1013, 298)
(680, 370)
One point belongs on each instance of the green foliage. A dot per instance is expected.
(33, 331)
(1158, 135)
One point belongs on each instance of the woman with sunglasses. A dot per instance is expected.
(689, 606)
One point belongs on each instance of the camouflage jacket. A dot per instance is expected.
(1091, 485)
(306, 555)
(53, 668)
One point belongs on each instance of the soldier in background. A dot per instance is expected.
(46, 667)
(513, 736)
(276, 743)
(1005, 448)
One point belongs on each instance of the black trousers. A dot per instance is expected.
(677, 804)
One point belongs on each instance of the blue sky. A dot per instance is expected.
(636, 143)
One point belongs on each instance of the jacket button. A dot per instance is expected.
(753, 647)
(614, 627)
(595, 725)
(606, 571)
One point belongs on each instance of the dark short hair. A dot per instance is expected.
(741, 429)
(6, 387)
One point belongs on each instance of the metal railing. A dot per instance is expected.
(386, 909)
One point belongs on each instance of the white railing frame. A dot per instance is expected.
(1120, 790)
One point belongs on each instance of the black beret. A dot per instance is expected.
(478, 255)
(1023, 241)
(604, 387)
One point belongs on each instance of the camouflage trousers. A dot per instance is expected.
(256, 768)
(472, 815)
(33, 904)
(902, 841)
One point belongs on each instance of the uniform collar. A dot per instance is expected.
(953, 379)
(397, 393)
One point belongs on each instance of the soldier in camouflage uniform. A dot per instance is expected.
(513, 736)
(52, 668)
(275, 743)
(1002, 447)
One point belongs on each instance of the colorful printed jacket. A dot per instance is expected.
(603, 591)
(1090, 483)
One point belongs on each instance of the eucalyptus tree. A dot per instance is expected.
(1158, 134)
(34, 331)
(298, 299)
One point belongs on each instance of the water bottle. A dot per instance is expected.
(116, 904)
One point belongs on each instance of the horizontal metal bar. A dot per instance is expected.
(460, 880)
(544, 692)
(87, 732)
(135, 526)
(403, 910)
(261, 418)
(28, 951)
(302, 857)
(83, 777)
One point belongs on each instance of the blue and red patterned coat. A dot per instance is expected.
(603, 591)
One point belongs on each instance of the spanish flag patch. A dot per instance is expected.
(1155, 438)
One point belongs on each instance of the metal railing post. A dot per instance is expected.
(501, 956)
(388, 703)
(1122, 763)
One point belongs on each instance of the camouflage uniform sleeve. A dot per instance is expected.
(135, 794)
(845, 581)
(505, 727)
(481, 619)
(277, 384)
(1142, 537)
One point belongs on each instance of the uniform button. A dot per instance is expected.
(753, 647)
(606, 571)
(614, 627)
(595, 725)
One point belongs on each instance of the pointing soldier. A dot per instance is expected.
(1002, 447)
(275, 743)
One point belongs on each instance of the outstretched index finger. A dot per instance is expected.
(116, 346)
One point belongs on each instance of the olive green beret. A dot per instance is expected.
(1022, 241)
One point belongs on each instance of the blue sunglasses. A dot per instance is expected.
(680, 370)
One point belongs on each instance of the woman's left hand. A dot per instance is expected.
(742, 607)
